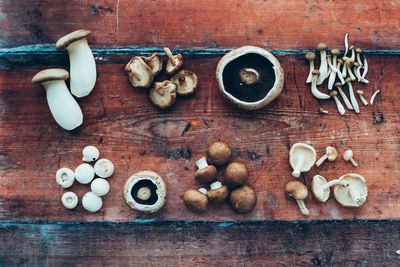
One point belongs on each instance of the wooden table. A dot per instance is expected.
(37, 230)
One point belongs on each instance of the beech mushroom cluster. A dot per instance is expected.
(143, 70)
(64, 108)
(242, 197)
(85, 174)
(339, 72)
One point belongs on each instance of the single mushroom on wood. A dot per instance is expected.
(353, 99)
(330, 154)
(63, 106)
(236, 174)
(196, 200)
(140, 74)
(339, 105)
(219, 153)
(186, 81)
(352, 190)
(301, 157)
(155, 63)
(373, 97)
(346, 101)
(173, 63)
(163, 94)
(82, 64)
(319, 189)
(363, 100)
(243, 199)
(218, 192)
(314, 89)
(323, 69)
(299, 192)
(310, 56)
(348, 156)
(205, 173)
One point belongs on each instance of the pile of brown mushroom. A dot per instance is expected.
(142, 71)
(242, 198)
(339, 72)
(350, 190)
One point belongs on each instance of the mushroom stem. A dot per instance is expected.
(302, 207)
(332, 75)
(201, 163)
(323, 111)
(314, 89)
(309, 78)
(144, 193)
(363, 100)
(359, 59)
(339, 73)
(328, 62)
(332, 183)
(299, 164)
(323, 69)
(203, 190)
(365, 64)
(339, 105)
(216, 185)
(249, 75)
(352, 77)
(353, 162)
(373, 97)
(170, 56)
(353, 53)
(357, 72)
(321, 160)
(346, 43)
(344, 97)
(344, 68)
(352, 97)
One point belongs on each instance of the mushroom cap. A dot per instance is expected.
(65, 177)
(139, 66)
(100, 187)
(90, 153)
(310, 56)
(236, 174)
(91, 202)
(69, 200)
(349, 62)
(333, 93)
(358, 50)
(170, 69)
(340, 61)
(205, 175)
(338, 84)
(84, 173)
(243, 199)
(104, 168)
(356, 64)
(296, 189)
(218, 195)
(161, 191)
(360, 92)
(297, 151)
(347, 80)
(155, 63)
(163, 94)
(335, 51)
(355, 182)
(66, 40)
(195, 200)
(331, 152)
(50, 75)
(316, 187)
(219, 153)
(186, 81)
(322, 46)
(348, 154)
(316, 72)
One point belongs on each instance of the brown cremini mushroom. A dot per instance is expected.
(218, 192)
(219, 153)
(186, 81)
(155, 63)
(243, 199)
(140, 74)
(173, 63)
(299, 192)
(236, 174)
(195, 200)
(206, 173)
(163, 94)
(330, 154)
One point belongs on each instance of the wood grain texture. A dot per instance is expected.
(255, 244)
(136, 136)
(211, 24)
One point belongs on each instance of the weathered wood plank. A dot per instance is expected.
(249, 244)
(211, 24)
(136, 136)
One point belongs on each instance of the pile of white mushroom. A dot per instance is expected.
(242, 198)
(142, 71)
(350, 190)
(85, 174)
(62, 104)
(339, 72)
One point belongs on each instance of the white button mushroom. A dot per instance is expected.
(91, 202)
(63, 106)
(330, 154)
(352, 191)
(69, 200)
(65, 177)
(301, 157)
(346, 101)
(104, 168)
(90, 153)
(348, 156)
(100, 187)
(82, 64)
(84, 173)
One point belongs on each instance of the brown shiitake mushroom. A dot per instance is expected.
(236, 174)
(163, 94)
(140, 74)
(243, 199)
(155, 63)
(186, 81)
(218, 192)
(195, 200)
(173, 63)
(206, 173)
(219, 153)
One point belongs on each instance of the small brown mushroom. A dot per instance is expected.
(140, 74)
(348, 156)
(219, 153)
(339, 105)
(330, 154)
(218, 192)
(163, 94)
(358, 52)
(173, 63)
(363, 100)
(299, 192)
(243, 199)
(236, 174)
(186, 81)
(323, 69)
(155, 63)
(346, 101)
(206, 173)
(310, 56)
(353, 99)
(195, 200)
(365, 65)
(323, 111)
(349, 64)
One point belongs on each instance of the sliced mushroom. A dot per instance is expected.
(174, 62)
(320, 192)
(352, 96)
(310, 56)
(330, 154)
(299, 192)
(155, 63)
(339, 105)
(301, 157)
(323, 69)
(314, 89)
(163, 94)
(186, 81)
(363, 100)
(218, 192)
(348, 156)
(346, 101)
(206, 173)
(354, 193)
(140, 74)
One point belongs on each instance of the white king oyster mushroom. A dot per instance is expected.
(90, 154)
